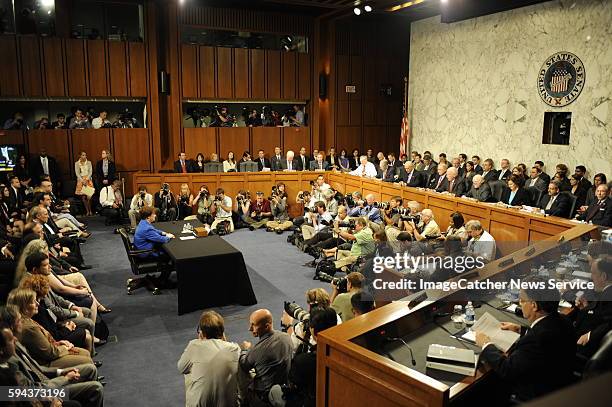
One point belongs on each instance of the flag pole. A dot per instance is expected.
(405, 132)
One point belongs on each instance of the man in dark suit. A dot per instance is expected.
(554, 203)
(385, 172)
(593, 317)
(545, 177)
(275, 160)
(505, 171)
(536, 180)
(600, 211)
(303, 160)
(16, 195)
(409, 176)
(480, 189)
(454, 184)
(580, 171)
(428, 166)
(183, 165)
(319, 163)
(488, 170)
(456, 163)
(392, 161)
(477, 167)
(105, 171)
(44, 165)
(262, 161)
(290, 164)
(437, 180)
(332, 159)
(541, 360)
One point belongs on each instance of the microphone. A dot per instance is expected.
(406, 345)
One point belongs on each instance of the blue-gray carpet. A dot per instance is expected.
(140, 367)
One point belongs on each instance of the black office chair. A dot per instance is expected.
(67, 193)
(535, 195)
(497, 189)
(213, 167)
(573, 198)
(601, 361)
(248, 166)
(141, 265)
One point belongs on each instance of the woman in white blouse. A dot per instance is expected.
(84, 187)
(229, 165)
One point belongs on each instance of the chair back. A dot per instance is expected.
(601, 361)
(213, 167)
(248, 166)
(497, 189)
(535, 195)
(573, 198)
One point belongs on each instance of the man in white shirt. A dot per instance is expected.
(319, 190)
(365, 169)
(481, 243)
(210, 365)
(111, 201)
(140, 200)
(223, 206)
(101, 120)
(318, 220)
(289, 164)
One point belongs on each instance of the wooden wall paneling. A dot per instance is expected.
(189, 70)
(76, 67)
(357, 76)
(31, 68)
(225, 81)
(200, 140)
(92, 141)
(53, 59)
(295, 138)
(289, 75)
(234, 139)
(127, 157)
(56, 142)
(11, 136)
(368, 113)
(273, 74)
(374, 138)
(137, 64)
(241, 73)
(343, 77)
(348, 137)
(207, 72)
(266, 138)
(355, 111)
(343, 113)
(117, 68)
(304, 76)
(9, 80)
(258, 73)
(96, 62)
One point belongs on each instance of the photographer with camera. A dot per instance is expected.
(303, 198)
(327, 239)
(363, 244)
(16, 123)
(101, 121)
(331, 204)
(367, 209)
(259, 212)
(222, 118)
(280, 211)
(139, 201)
(184, 202)
(302, 380)
(319, 188)
(222, 208)
(165, 204)
(317, 221)
(427, 227)
(341, 299)
(203, 201)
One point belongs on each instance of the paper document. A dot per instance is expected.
(511, 308)
(187, 237)
(490, 326)
(469, 336)
(582, 274)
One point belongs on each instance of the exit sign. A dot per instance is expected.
(350, 88)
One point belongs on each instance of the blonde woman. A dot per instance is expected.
(84, 187)
(184, 202)
(38, 341)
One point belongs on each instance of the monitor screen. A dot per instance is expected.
(9, 154)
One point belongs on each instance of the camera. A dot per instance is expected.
(348, 200)
(274, 193)
(381, 205)
(339, 282)
(142, 194)
(165, 189)
(348, 224)
(296, 312)
(204, 194)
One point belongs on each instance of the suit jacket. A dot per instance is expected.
(458, 187)
(275, 163)
(478, 169)
(36, 169)
(354, 163)
(599, 214)
(428, 169)
(15, 199)
(490, 176)
(336, 161)
(503, 175)
(388, 175)
(483, 194)
(294, 164)
(520, 198)
(546, 178)
(314, 165)
(304, 162)
(112, 169)
(188, 166)
(596, 318)
(415, 181)
(540, 362)
(396, 164)
(540, 183)
(266, 164)
(560, 207)
(433, 180)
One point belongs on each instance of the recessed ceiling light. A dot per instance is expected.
(357, 10)
(368, 8)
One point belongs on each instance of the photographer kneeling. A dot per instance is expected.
(280, 211)
(318, 221)
(222, 207)
(260, 212)
(301, 390)
(363, 244)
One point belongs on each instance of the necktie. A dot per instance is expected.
(263, 164)
(550, 202)
(184, 169)
(363, 173)
(289, 165)
(594, 211)
(450, 186)
(409, 178)
(439, 181)
(501, 174)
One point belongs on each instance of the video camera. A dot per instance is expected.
(340, 282)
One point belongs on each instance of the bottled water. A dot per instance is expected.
(470, 316)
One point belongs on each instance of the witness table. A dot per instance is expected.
(210, 271)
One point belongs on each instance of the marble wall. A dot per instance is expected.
(473, 84)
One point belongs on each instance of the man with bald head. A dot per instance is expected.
(289, 164)
(270, 357)
(480, 190)
(410, 176)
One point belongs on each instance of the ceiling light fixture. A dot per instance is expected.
(48, 3)
(368, 8)
(357, 11)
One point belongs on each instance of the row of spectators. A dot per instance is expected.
(79, 118)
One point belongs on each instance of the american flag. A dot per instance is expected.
(560, 80)
(404, 135)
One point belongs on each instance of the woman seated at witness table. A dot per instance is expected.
(515, 194)
(229, 165)
(578, 191)
(147, 236)
(198, 164)
(38, 341)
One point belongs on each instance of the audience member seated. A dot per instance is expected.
(541, 360)
(222, 208)
(341, 301)
(210, 365)
(79, 121)
(319, 164)
(275, 160)
(270, 357)
(111, 201)
(536, 179)
(198, 163)
(515, 195)
(480, 243)
(183, 165)
(229, 165)
(16, 123)
(303, 160)
(290, 164)
(598, 179)
(488, 170)
(555, 203)
(600, 211)
(263, 162)
(454, 184)
(579, 190)
(480, 190)
(332, 159)
(561, 177)
(101, 121)
(139, 201)
(505, 171)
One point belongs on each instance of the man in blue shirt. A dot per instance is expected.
(366, 210)
(147, 236)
